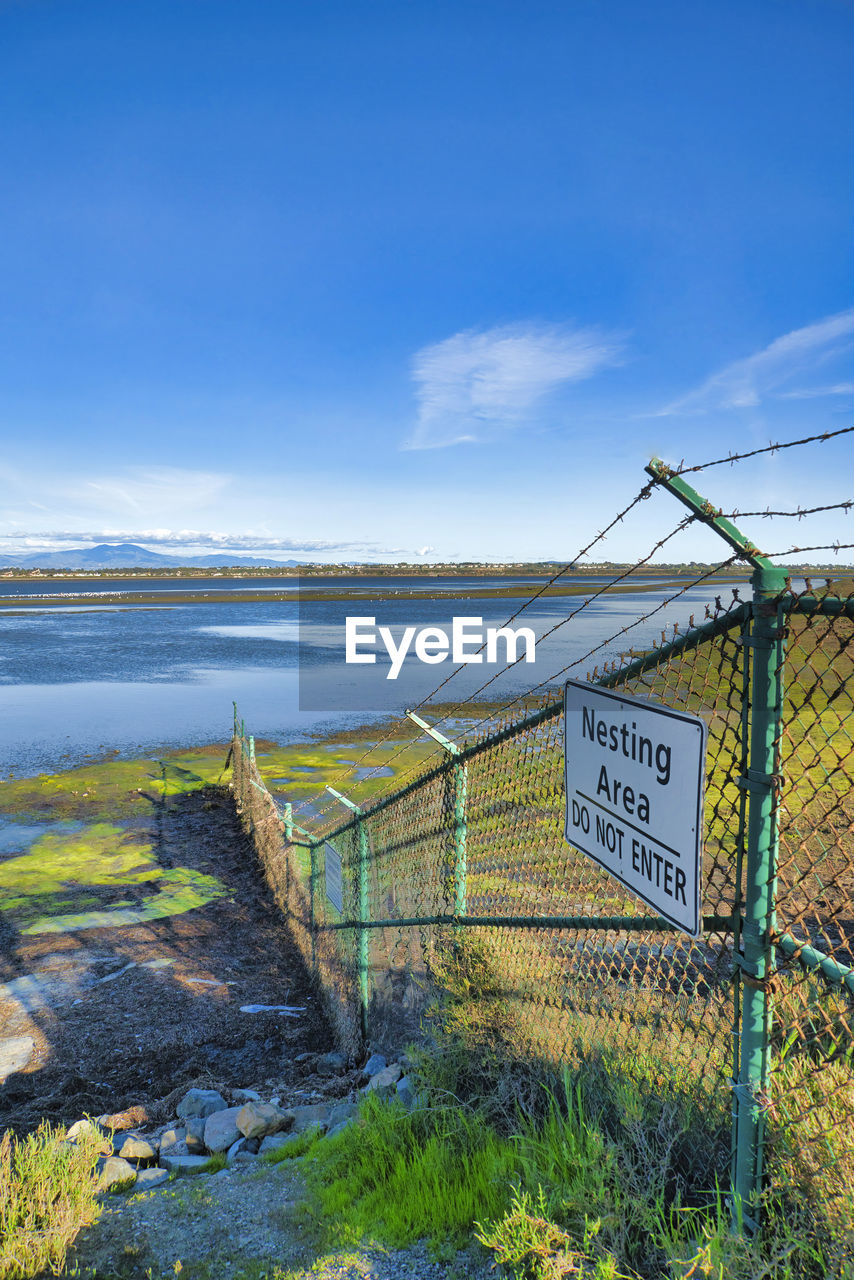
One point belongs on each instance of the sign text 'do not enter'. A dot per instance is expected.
(634, 796)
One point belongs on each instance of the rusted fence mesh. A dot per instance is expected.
(462, 887)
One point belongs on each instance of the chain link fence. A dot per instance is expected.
(461, 888)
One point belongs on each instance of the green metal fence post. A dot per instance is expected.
(756, 960)
(460, 776)
(312, 921)
(364, 907)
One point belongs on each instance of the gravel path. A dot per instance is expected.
(244, 1224)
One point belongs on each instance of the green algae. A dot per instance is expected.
(304, 770)
(113, 789)
(178, 891)
(62, 882)
(101, 854)
(106, 874)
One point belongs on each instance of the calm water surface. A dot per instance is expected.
(103, 676)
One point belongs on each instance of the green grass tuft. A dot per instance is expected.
(48, 1192)
(299, 1145)
(404, 1176)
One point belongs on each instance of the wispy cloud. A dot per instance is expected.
(139, 488)
(746, 383)
(815, 393)
(476, 383)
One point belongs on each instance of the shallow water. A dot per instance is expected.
(84, 682)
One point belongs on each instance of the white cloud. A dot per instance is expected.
(478, 382)
(814, 393)
(141, 488)
(745, 383)
(183, 539)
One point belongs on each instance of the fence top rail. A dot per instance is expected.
(831, 605)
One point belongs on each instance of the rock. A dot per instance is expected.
(147, 1179)
(330, 1064)
(116, 1174)
(275, 1141)
(244, 1157)
(374, 1065)
(195, 1138)
(304, 1057)
(82, 1128)
(183, 1164)
(234, 1150)
(177, 1149)
(339, 1128)
(257, 1119)
(201, 1102)
(384, 1083)
(221, 1129)
(245, 1095)
(308, 1117)
(172, 1138)
(406, 1090)
(343, 1111)
(136, 1148)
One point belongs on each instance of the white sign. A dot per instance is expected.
(334, 882)
(634, 796)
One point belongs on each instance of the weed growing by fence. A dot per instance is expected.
(48, 1192)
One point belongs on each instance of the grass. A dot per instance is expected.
(298, 1146)
(48, 1192)
(365, 1176)
(556, 1192)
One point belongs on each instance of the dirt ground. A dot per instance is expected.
(123, 1017)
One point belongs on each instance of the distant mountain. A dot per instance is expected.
(127, 555)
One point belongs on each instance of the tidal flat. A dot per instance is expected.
(79, 847)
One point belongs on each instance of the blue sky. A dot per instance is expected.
(381, 280)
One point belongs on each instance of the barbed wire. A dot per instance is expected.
(401, 720)
(643, 493)
(835, 547)
(798, 513)
(683, 523)
(682, 470)
(549, 680)
(586, 603)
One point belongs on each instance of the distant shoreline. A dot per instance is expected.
(536, 571)
(326, 591)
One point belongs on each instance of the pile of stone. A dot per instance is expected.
(207, 1126)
